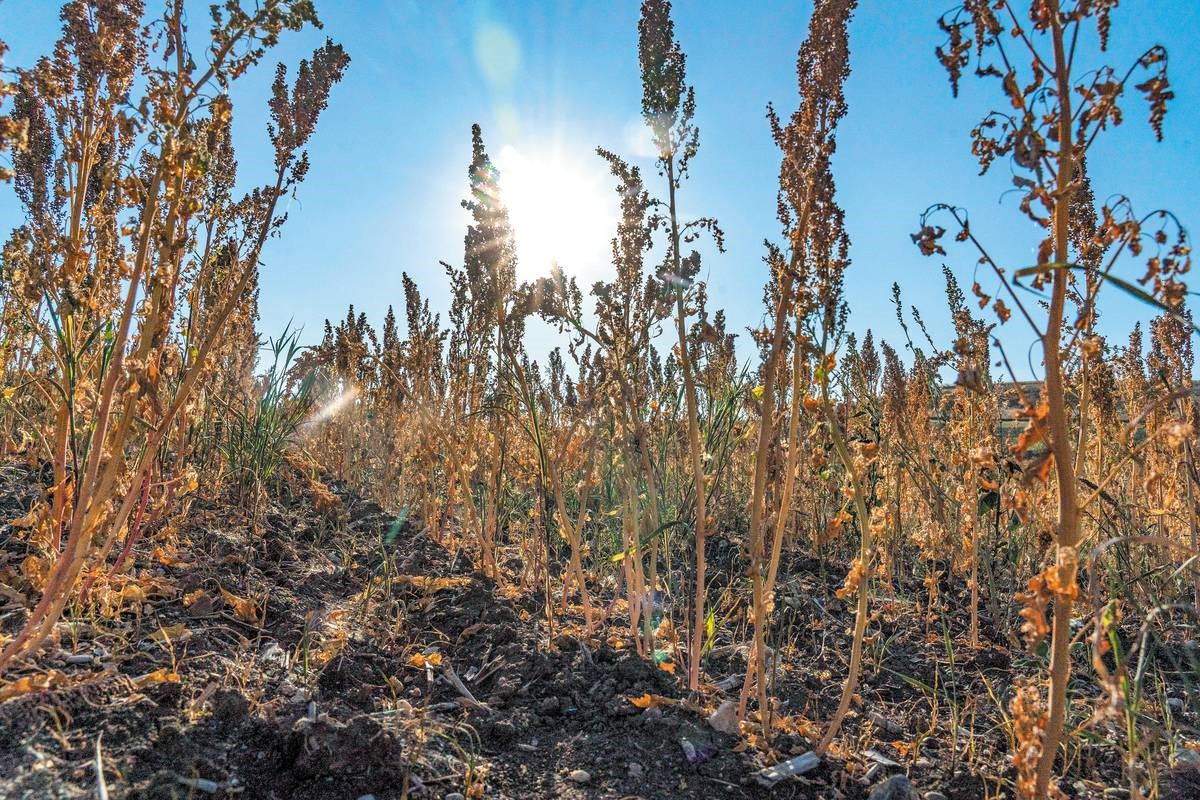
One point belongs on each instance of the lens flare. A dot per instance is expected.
(334, 406)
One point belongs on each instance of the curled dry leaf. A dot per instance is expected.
(160, 675)
(245, 610)
(32, 683)
(173, 634)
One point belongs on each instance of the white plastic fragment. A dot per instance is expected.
(880, 758)
(769, 776)
(200, 784)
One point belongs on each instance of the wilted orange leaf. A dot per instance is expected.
(167, 558)
(645, 701)
(31, 683)
(667, 666)
(421, 660)
(648, 700)
(160, 675)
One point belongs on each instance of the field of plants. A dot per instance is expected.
(426, 559)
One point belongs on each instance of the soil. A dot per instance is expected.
(342, 685)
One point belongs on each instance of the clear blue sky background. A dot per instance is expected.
(389, 157)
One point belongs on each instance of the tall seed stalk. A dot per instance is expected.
(668, 106)
(806, 210)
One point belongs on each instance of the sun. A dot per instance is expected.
(561, 212)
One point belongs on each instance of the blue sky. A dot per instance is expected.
(550, 81)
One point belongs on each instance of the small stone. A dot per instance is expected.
(896, 787)
(724, 719)
(884, 724)
(579, 776)
(651, 714)
(366, 797)
(1116, 793)
(636, 770)
(503, 731)
(935, 796)
(1175, 704)
(454, 796)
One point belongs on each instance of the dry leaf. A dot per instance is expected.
(244, 609)
(160, 675)
(133, 593)
(174, 634)
(470, 631)
(167, 558)
(198, 603)
(31, 683)
(28, 520)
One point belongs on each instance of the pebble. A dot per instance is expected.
(724, 719)
(636, 770)
(579, 775)
(454, 796)
(896, 787)
(935, 796)
(884, 724)
(504, 731)
(1175, 704)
